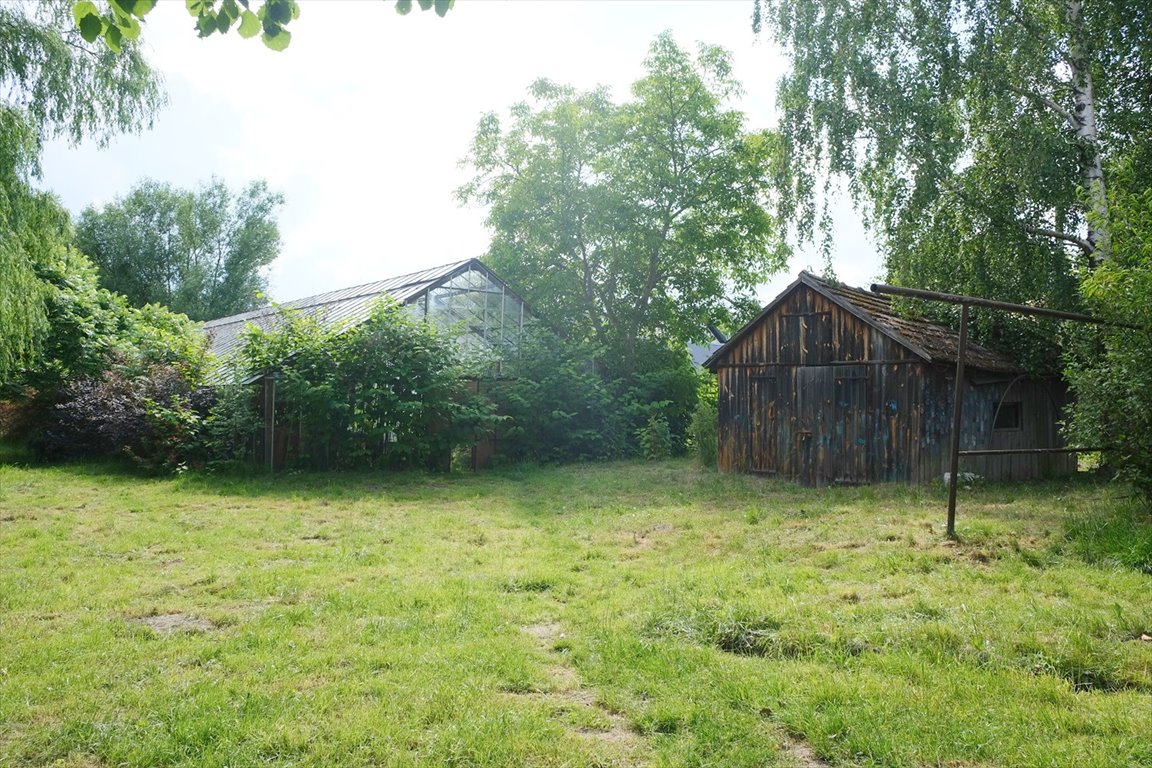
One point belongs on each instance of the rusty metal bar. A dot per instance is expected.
(1007, 451)
(832, 363)
(957, 416)
(952, 298)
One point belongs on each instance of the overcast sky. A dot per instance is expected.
(362, 122)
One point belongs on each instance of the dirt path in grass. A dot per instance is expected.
(566, 694)
(599, 723)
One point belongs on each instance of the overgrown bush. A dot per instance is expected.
(389, 391)
(229, 426)
(110, 414)
(108, 379)
(655, 438)
(1109, 369)
(560, 402)
(91, 330)
(553, 406)
(654, 379)
(705, 423)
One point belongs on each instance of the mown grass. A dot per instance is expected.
(626, 614)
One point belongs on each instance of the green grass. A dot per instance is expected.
(614, 615)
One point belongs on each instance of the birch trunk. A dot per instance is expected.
(1084, 124)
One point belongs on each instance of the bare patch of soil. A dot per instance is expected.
(620, 737)
(563, 678)
(617, 732)
(803, 754)
(171, 623)
(644, 538)
(545, 633)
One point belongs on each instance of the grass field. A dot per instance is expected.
(612, 615)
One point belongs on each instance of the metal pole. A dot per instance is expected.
(1026, 451)
(269, 419)
(272, 460)
(957, 415)
(952, 298)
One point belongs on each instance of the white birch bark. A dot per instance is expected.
(1084, 124)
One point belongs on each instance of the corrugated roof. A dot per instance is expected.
(932, 342)
(225, 336)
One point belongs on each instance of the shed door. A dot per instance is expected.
(831, 444)
(764, 427)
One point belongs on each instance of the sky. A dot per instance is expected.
(362, 122)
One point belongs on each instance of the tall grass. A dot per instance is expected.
(611, 615)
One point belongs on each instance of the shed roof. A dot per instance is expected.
(931, 342)
(225, 336)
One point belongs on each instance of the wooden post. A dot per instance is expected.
(270, 420)
(957, 416)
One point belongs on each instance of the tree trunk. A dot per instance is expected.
(1084, 122)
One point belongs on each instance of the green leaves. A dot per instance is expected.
(120, 22)
(271, 18)
(278, 41)
(441, 7)
(249, 24)
(91, 27)
(624, 222)
(121, 19)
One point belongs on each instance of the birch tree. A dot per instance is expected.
(974, 135)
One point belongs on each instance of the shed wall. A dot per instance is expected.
(1040, 406)
(813, 393)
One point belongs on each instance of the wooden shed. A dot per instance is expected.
(828, 385)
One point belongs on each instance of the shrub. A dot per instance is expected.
(654, 379)
(655, 438)
(1108, 368)
(553, 406)
(108, 379)
(705, 424)
(230, 424)
(388, 391)
(110, 414)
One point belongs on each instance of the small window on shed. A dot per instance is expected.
(1008, 416)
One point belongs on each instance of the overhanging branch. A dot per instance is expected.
(1048, 102)
(1079, 242)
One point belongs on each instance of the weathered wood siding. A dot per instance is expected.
(1040, 405)
(813, 393)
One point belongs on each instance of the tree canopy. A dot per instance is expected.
(631, 221)
(53, 84)
(976, 135)
(200, 252)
